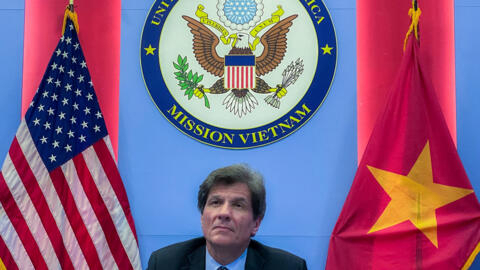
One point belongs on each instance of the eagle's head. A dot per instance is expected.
(242, 41)
(241, 45)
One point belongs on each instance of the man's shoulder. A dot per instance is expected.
(175, 254)
(185, 246)
(275, 258)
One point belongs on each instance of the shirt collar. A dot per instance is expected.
(238, 264)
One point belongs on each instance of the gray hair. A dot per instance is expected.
(237, 173)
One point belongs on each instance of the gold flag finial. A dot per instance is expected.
(414, 13)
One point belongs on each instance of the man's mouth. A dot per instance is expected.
(223, 228)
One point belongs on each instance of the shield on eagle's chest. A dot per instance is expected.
(239, 72)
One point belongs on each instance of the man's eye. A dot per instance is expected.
(214, 202)
(238, 205)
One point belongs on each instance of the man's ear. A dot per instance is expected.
(257, 223)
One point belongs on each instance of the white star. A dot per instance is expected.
(53, 158)
(91, 83)
(73, 120)
(84, 124)
(65, 101)
(43, 139)
(70, 134)
(82, 138)
(59, 130)
(32, 103)
(54, 66)
(55, 144)
(76, 46)
(51, 111)
(98, 114)
(45, 94)
(68, 87)
(83, 64)
(61, 68)
(89, 96)
(68, 148)
(40, 108)
(54, 97)
(58, 83)
(65, 54)
(36, 122)
(87, 110)
(61, 115)
(46, 125)
(74, 60)
(70, 26)
(96, 128)
(80, 78)
(62, 38)
(50, 80)
(58, 52)
(71, 73)
(75, 106)
(78, 92)
(68, 40)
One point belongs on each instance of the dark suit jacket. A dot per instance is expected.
(190, 255)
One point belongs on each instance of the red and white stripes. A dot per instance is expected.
(75, 217)
(240, 77)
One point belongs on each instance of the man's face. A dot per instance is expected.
(227, 219)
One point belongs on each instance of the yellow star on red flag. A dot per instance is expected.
(415, 197)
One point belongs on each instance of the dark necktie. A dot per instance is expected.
(222, 268)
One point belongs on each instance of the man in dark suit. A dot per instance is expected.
(232, 203)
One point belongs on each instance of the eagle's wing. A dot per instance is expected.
(204, 43)
(275, 45)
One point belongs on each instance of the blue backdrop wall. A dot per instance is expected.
(308, 174)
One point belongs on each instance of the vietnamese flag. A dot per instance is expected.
(411, 205)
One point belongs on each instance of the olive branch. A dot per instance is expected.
(187, 80)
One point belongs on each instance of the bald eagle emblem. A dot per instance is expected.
(238, 74)
(239, 71)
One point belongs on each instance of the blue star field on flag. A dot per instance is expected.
(64, 117)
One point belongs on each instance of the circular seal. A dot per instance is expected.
(238, 73)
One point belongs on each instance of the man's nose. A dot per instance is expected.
(225, 212)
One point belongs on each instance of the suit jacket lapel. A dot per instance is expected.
(255, 259)
(195, 260)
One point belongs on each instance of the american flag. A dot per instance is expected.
(62, 201)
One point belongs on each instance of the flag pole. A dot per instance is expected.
(418, 239)
(70, 6)
(414, 13)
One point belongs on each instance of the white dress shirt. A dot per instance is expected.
(238, 264)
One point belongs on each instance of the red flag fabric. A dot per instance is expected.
(411, 205)
(62, 201)
(380, 33)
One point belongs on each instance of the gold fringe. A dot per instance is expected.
(472, 257)
(415, 15)
(73, 17)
